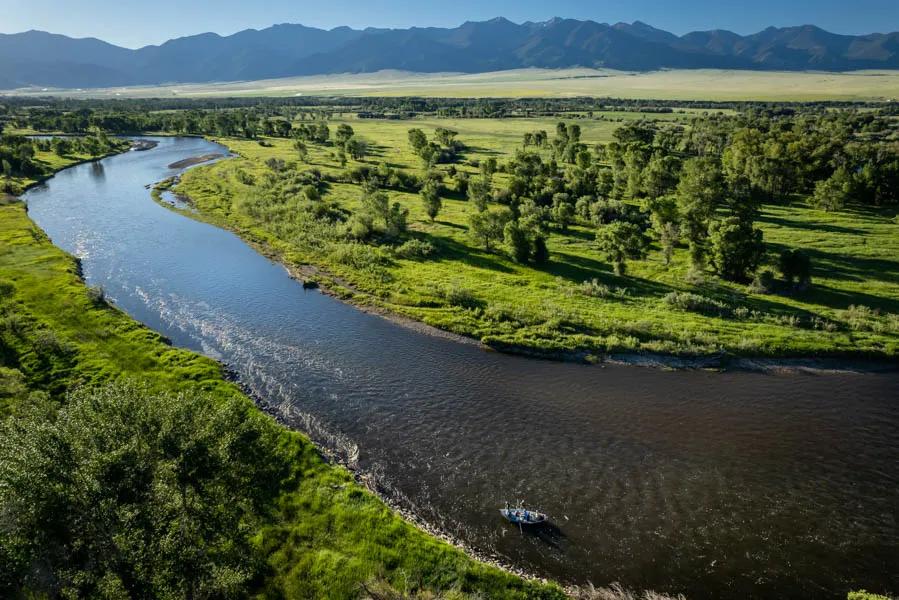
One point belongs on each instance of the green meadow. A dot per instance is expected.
(575, 302)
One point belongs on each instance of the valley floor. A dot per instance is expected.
(575, 304)
(693, 84)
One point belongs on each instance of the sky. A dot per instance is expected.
(134, 23)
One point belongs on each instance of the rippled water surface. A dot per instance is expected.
(717, 485)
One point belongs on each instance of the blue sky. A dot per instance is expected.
(135, 23)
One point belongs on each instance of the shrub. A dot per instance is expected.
(47, 343)
(763, 282)
(158, 492)
(97, 295)
(696, 303)
(358, 256)
(414, 249)
(6, 290)
(244, 177)
(860, 317)
(456, 295)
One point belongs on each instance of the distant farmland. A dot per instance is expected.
(701, 84)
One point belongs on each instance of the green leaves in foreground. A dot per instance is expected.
(129, 493)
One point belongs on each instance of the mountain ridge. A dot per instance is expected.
(37, 58)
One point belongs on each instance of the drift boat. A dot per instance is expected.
(523, 516)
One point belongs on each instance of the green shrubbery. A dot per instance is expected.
(126, 491)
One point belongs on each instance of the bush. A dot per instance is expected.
(159, 495)
(415, 249)
(696, 303)
(97, 295)
(456, 295)
(47, 343)
(244, 177)
(358, 256)
(763, 282)
(595, 289)
(7, 288)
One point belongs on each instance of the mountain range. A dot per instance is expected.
(37, 58)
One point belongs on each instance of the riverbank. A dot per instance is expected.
(66, 335)
(574, 309)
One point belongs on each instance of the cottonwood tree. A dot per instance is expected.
(699, 191)
(430, 199)
(488, 227)
(736, 248)
(479, 192)
(795, 267)
(620, 241)
(132, 493)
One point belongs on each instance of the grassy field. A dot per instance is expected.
(699, 84)
(324, 536)
(852, 309)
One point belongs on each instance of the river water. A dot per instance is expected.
(715, 485)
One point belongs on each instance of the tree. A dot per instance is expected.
(357, 148)
(669, 233)
(61, 146)
(377, 204)
(488, 168)
(736, 248)
(620, 241)
(430, 198)
(663, 215)
(445, 136)
(302, 150)
(429, 154)
(699, 191)
(417, 139)
(397, 220)
(344, 134)
(563, 211)
(479, 192)
(488, 226)
(540, 252)
(133, 493)
(311, 193)
(795, 266)
(834, 192)
(660, 175)
(517, 241)
(322, 133)
(636, 158)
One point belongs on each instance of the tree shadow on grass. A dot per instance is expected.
(581, 234)
(452, 250)
(848, 268)
(843, 299)
(823, 227)
(482, 150)
(578, 269)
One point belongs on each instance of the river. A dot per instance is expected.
(716, 485)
